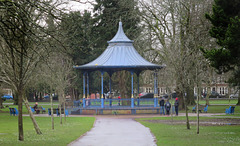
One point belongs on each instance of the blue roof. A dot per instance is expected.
(119, 55)
(120, 37)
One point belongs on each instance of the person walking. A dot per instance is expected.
(176, 104)
(168, 107)
(161, 104)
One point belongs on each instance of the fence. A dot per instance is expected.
(117, 103)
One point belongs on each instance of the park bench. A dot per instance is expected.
(205, 109)
(42, 109)
(200, 109)
(56, 111)
(32, 109)
(230, 110)
(13, 111)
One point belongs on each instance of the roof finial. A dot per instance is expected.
(120, 19)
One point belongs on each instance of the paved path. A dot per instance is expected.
(109, 131)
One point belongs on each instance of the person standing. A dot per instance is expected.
(98, 95)
(119, 99)
(176, 104)
(110, 99)
(168, 107)
(161, 104)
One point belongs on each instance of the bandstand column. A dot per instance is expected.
(132, 96)
(138, 99)
(102, 99)
(110, 90)
(87, 86)
(110, 84)
(155, 89)
(84, 102)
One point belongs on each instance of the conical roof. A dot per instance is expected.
(120, 37)
(119, 55)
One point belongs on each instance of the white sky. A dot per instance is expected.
(82, 5)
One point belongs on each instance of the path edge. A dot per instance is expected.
(94, 124)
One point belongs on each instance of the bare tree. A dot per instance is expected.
(178, 29)
(23, 46)
(59, 73)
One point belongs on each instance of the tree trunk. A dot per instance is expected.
(122, 84)
(20, 121)
(15, 99)
(41, 95)
(208, 94)
(190, 96)
(1, 102)
(37, 129)
(198, 109)
(60, 112)
(64, 106)
(52, 119)
(187, 123)
(181, 100)
(186, 110)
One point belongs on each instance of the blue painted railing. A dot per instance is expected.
(116, 103)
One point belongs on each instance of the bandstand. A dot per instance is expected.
(119, 55)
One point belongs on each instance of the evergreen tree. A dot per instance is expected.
(108, 13)
(77, 36)
(225, 20)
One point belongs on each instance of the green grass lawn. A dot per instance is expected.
(60, 136)
(230, 115)
(8, 101)
(219, 101)
(167, 134)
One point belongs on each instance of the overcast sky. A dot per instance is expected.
(78, 6)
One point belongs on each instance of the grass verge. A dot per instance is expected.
(60, 136)
(167, 134)
(219, 101)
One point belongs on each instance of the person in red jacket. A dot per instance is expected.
(119, 98)
(176, 104)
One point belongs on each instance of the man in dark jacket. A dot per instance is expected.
(36, 108)
(167, 107)
(176, 104)
(161, 104)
